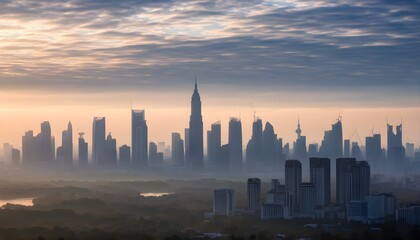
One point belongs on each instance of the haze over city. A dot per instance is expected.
(209, 119)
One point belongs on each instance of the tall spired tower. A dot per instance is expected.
(196, 131)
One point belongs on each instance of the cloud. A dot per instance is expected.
(263, 45)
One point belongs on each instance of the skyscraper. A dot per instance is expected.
(37, 149)
(374, 150)
(177, 149)
(111, 151)
(98, 141)
(67, 146)
(83, 150)
(320, 175)
(293, 178)
(124, 156)
(196, 132)
(235, 144)
(396, 150)
(332, 144)
(214, 144)
(269, 148)
(254, 147)
(139, 138)
(254, 193)
(353, 180)
(187, 147)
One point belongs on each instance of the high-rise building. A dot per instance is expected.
(313, 149)
(269, 146)
(98, 141)
(320, 175)
(235, 144)
(396, 151)
(293, 178)
(332, 144)
(124, 156)
(153, 154)
(177, 149)
(224, 202)
(307, 199)
(374, 150)
(409, 150)
(214, 143)
(254, 193)
(300, 145)
(195, 141)
(187, 147)
(347, 148)
(352, 180)
(111, 151)
(139, 138)
(15, 157)
(66, 153)
(83, 150)
(37, 149)
(381, 208)
(254, 151)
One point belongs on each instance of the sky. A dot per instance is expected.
(64, 60)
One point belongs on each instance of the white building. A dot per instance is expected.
(224, 202)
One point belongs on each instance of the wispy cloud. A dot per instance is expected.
(147, 44)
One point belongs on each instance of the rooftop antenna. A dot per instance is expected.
(340, 115)
(253, 110)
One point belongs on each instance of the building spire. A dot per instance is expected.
(195, 84)
(298, 130)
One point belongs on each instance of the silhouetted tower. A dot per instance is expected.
(254, 147)
(139, 138)
(320, 175)
(235, 144)
(214, 144)
(293, 179)
(98, 141)
(396, 150)
(196, 131)
(332, 144)
(83, 150)
(254, 193)
(67, 146)
(269, 148)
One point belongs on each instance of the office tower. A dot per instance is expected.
(254, 193)
(320, 175)
(37, 149)
(360, 180)
(332, 144)
(235, 144)
(293, 178)
(195, 141)
(124, 156)
(83, 150)
(111, 151)
(177, 149)
(52, 147)
(347, 148)
(280, 156)
(409, 150)
(153, 154)
(15, 157)
(374, 150)
(300, 145)
(66, 150)
(269, 147)
(214, 143)
(307, 199)
(254, 146)
(98, 141)
(139, 138)
(352, 180)
(396, 151)
(286, 150)
(313, 149)
(224, 202)
(356, 152)
(45, 141)
(275, 184)
(357, 211)
(187, 147)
